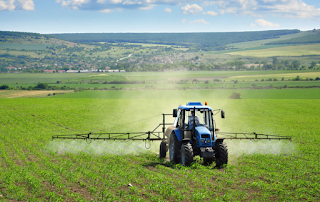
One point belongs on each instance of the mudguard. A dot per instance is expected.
(178, 134)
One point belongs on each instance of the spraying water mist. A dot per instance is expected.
(102, 147)
(237, 147)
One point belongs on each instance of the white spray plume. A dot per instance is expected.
(101, 147)
(239, 147)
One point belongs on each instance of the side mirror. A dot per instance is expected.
(175, 112)
(222, 114)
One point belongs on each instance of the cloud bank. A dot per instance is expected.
(11, 5)
(257, 8)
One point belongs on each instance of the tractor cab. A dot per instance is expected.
(194, 122)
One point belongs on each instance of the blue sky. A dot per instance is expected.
(104, 16)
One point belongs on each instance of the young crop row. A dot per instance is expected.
(34, 168)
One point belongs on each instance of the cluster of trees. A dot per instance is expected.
(306, 79)
(38, 86)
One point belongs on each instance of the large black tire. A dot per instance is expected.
(186, 154)
(163, 150)
(221, 151)
(174, 149)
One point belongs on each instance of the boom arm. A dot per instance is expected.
(250, 136)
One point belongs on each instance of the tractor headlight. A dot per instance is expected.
(208, 141)
(202, 141)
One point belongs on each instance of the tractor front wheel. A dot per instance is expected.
(174, 147)
(163, 149)
(221, 151)
(186, 154)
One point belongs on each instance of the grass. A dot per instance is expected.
(35, 168)
(30, 94)
(252, 44)
(26, 78)
(25, 46)
(298, 50)
(20, 52)
(313, 93)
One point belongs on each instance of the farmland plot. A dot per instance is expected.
(32, 167)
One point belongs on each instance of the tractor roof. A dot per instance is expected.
(191, 105)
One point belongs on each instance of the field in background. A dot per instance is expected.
(35, 168)
(183, 80)
(253, 44)
(31, 94)
(297, 50)
(208, 94)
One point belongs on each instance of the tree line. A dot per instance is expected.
(202, 39)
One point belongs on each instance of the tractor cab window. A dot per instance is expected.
(201, 117)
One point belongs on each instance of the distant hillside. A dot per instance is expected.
(312, 38)
(29, 41)
(209, 39)
(8, 37)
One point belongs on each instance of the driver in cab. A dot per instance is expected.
(190, 122)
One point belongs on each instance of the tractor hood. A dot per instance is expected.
(202, 130)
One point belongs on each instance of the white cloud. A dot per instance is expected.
(167, 10)
(264, 23)
(202, 21)
(146, 8)
(72, 4)
(191, 9)
(212, 13)
(11, 5)
(116, 1)
(221, 11)
(106, 11)
(183, 20)
(27, 4)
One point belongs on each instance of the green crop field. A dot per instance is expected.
(298, 50)
(313, 93)
(34, 168)
(252, 44)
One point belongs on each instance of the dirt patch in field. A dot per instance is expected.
(38, 93)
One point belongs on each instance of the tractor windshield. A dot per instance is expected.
(202, 117)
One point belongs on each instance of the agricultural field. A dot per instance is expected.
(185, 80)
(35, 168)
(31, 94)
(313, 93)
(297, 50)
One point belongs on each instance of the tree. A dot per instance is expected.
(235, 95)
(313, 64)
(295, 64)
(274, 61)
(3, 87)
(41, 86)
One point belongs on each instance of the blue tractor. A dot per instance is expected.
(192, 134)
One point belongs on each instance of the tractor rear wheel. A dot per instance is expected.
(174, 147)
(163, 149)
(221, 151)
(186, 154)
